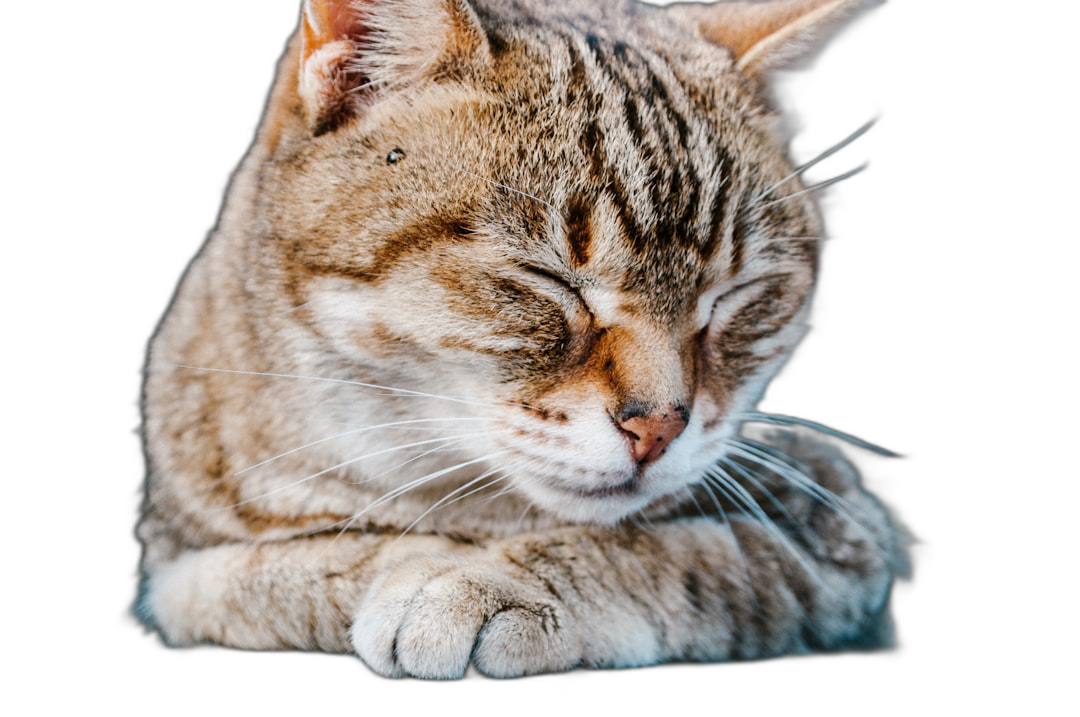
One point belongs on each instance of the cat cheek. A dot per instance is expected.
(735, 374)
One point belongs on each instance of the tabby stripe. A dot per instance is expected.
(677, 117)
(579, 78)
(715, 235)
(633, 233)
(659, 141)
(631, 109)
(685, 183)
(535, 573)
(416, 238)
(457, 342)
(579, 229)
(489, 22)
(682, 180)
(738, 248)
(602, 171)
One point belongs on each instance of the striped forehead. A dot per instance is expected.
(640, 183)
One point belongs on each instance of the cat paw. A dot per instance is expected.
(430, 618)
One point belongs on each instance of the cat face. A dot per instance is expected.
(594, 240)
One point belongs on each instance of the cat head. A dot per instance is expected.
(580, 219)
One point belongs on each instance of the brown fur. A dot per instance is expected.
(476, 246)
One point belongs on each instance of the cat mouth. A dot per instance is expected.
(627, 488)
(600, 505)
(622, 490)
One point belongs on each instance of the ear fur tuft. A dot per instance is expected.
(354, 49)
(765, 34)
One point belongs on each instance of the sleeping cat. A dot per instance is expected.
(467, 371)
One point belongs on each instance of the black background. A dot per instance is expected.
(173, 111)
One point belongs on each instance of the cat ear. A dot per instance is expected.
(765, 34)
(351, 50)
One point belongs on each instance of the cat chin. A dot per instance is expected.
(598, 508)
(605, 505)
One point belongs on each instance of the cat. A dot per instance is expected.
(466, 373)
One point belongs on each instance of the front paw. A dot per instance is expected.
(429, 617)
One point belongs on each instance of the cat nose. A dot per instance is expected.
(650, 434)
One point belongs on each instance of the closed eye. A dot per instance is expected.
(553, 280)
(728, 304)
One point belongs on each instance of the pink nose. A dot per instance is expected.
(650, 435)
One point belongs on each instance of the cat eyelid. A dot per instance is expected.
(775, 276)
(739, 288)
(740, 295)
(550, 277)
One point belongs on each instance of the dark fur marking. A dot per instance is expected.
(692, 586)
(577, 83)
(546, 615)
(677, 206)
(314, 259)
(603, 174)
(457, 342)
(633, 119)
(530, 569)
(420, 237)
(356, 570)
(660, 92)
(768, 313)
(715, 234)
(579, 229)
(544, 413)
(497, 43)
(259, 521)
(510, 309)
(738, 248)
(633, 233)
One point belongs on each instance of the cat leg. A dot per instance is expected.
(690, 589)
(295, 594)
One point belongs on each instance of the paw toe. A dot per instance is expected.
(430, 623)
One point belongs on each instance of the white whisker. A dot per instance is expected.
(354, 431)
(509, 189)
(815, 187)
(331, 469)
(778, 419)
(747, 582)
(694, 500)
(790, 473)
(645, 518)
(361, 384)
(443, 501)
(298, 307)
(506, 490)
(363, 85)
(503, 491)
(438, 449)
(412, 485)
(837, 503)
(524, 514)
(415, 444)
(511, 473)
(747, 475)
(739, 495)
(824, 155)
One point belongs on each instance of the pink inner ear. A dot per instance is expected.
(328, 85)
(327, 21)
